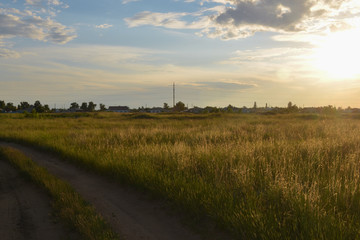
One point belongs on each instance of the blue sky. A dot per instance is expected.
(218, 52)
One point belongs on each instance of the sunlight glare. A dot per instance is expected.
(337, 57)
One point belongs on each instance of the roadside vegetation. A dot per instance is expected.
(288, 176)
(68, 204)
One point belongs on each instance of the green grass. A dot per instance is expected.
(259, 177)
(68, 204)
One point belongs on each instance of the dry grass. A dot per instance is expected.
(259, 177)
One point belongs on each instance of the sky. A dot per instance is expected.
(217, 52)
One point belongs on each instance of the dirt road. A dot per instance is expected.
(25, 211)
(130, 214)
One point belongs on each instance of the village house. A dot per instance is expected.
(156, 110)
(29, 110)
(195, 110)
(119, 109)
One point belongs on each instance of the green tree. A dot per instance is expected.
(2, 104)
(23, 105)
(74, 106)
(290, 105)
(329, 109)
(215, 110)
(46, 108)
(166, 106)
(292, 108)
(230, 109)
(179, 106)
(91, 107)
(102, 107)
(39, 107)
(9, 107)
(84, 106)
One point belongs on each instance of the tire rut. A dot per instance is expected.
(25, 211)
(131, 214)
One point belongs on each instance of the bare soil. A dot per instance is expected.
(25, 211)
(133, 215)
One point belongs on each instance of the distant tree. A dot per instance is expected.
(179, 106)
(9, 107)
(230, 109)
(84, 106)
(290, 105)
(215, 110)
(46, 108)
(255, 105)
(2, 104)
(102, 107)
(39, 107)
(166, 106)
(329, 109)
(91, 107)
(23, 105)
(292, 108)
(74, 106)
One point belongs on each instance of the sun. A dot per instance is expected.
(337, 56)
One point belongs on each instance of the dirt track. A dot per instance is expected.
(25, 211)
(129, 213)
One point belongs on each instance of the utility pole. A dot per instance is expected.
(174, 95)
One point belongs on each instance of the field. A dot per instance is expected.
(257, 177)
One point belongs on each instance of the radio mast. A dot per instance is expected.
(174, 95)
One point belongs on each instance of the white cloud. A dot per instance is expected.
(233, 19)
(7, 53)
(104, 26)
(168, 20)
(281, 16)
(129, 1)
(28, 25)
(40, 3)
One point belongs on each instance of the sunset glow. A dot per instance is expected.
(338, 56)
(224, 52)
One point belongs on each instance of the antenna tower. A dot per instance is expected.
(173, 94)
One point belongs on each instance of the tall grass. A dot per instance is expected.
(67, 203)
(259, 177)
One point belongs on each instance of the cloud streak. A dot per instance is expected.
(129, 1)
(223, 85)
(168, 20)
(104, 26)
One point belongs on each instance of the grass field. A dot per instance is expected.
(258, 177)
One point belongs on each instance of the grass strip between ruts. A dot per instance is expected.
(67, 203)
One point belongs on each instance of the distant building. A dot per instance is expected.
(75, 110)
(310, 110)
(246, 110)
(29, 110)
(156, 110)
(195, 110)
(119, 109)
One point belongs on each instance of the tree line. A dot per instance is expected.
(179, 107)
(37, 106)
(40, 108)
